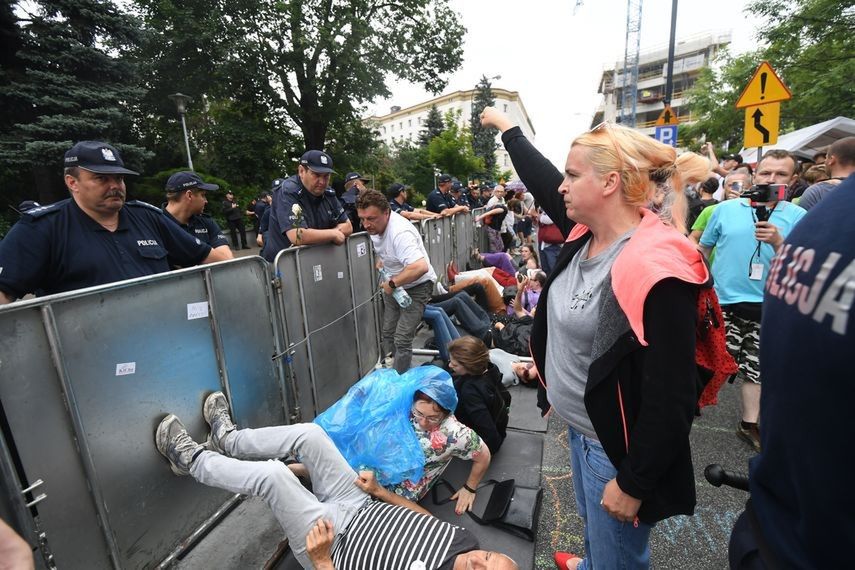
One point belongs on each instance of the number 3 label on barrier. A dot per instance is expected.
(318, 273)
(361, 250)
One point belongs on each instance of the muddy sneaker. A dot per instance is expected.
(175, 444)
(750, 435)
(216, 412)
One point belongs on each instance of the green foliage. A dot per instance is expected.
(810, 43)
(66, 84)
(411, 165)
(433, 126)
(483, 139)
(712, 98)
(452, 152)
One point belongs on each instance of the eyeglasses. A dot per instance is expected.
(433, 420)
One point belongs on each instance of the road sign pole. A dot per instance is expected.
(759, 154)
(669, 81)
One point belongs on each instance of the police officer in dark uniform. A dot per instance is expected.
(185, 203)
(305, 210)
(460, 199)
(234, 218)
(354, 185)
(440, 200)
(94, 237)
(397, 194)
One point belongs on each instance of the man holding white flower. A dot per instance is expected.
(305, 210)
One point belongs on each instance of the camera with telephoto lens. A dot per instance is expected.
(759, 194)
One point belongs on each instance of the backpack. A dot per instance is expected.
(715, 364)
(514, 336)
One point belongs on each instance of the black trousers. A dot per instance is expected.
(236, 226)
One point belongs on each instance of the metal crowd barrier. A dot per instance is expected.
(329, 315)
(86, 376)
(479, 237)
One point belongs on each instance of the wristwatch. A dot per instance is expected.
(392, 284)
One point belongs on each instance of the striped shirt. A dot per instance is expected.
(391, 537)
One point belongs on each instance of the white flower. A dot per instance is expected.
(296, 209)
(424, 203)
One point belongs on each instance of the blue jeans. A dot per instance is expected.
(444, 330)
(609, 543)
(468, 313)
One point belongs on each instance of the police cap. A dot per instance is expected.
(96, 156)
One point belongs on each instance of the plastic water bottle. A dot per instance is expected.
(399, 293)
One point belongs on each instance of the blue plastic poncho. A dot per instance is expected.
(370, 425)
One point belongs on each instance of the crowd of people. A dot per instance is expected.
(588, 292)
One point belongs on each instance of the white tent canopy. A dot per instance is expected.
(806, 142)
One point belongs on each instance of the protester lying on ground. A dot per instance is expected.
(443, 329)
(614, 333)
(475, 290)
(528, 294)
(483, 402)
(513, 369)
(471, 316)
(340, 525)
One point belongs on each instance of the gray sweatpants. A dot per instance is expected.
(399, 325)
(336, 497)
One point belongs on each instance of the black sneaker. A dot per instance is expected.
(176, 445)
(216, 412)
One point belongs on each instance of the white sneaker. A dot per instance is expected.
(440, 289)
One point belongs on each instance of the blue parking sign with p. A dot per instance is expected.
(667, 134)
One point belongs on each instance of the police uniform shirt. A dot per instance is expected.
(203, 227)
(59, 248)
(437, 201)
(323, 212)
(463, 200)
(398, 208)
(259, 209)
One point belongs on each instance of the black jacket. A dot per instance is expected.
(476, 397)
(640, 400)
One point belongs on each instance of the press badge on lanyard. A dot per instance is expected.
(756, 272)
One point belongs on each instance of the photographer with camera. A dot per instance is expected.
(746, 233)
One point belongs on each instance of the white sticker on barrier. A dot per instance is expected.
(318, 273)
(197, 310)
(125, 368)
(361, 250)
(341, 274)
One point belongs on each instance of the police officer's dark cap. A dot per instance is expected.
(276, 182)
(456, 186)
(317, 161)
(443, 178)
(96, 156)
(394, 190)
(181, 181)
(354, 176)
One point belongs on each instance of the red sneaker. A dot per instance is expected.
(561, 559)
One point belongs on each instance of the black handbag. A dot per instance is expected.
(510, 507)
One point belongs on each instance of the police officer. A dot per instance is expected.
(354, 185)
(94, 237)
(460, 199)
(234, 218)
(305, 210)
(440, 200)
(185, 202)
(397, 194)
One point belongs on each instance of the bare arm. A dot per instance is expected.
(368, 483)
(15, 553)
(5, 299)
(480, 464)
(221, 253)
(695, 236)
(309, 236)
(319, 545)
(706, 250)
(345, 227)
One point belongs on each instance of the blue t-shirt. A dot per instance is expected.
(60, 248)
(800, 483)
(731, 231)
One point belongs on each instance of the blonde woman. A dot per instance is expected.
(617, 362)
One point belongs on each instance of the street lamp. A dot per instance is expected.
(181, 101)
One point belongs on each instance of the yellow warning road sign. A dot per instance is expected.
(762, 125)
(764, 87)
(667, 117)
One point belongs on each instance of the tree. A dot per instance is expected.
(811, 46)
(452, 152)
(433, 126)
(328, 57)
(483, 139)
(71, 87)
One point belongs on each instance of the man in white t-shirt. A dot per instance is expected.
(402, 253)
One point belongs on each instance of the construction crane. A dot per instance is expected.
(628, 101)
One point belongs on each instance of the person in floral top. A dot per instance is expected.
(442, 437)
